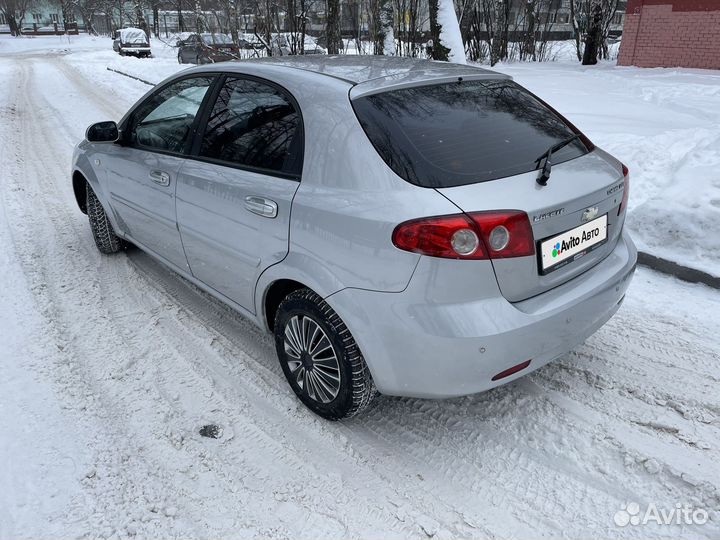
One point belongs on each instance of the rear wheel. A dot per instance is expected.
(320, 358)
(102, 230)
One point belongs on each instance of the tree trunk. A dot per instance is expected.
(141, 22)
(156, 19)
(499, 51)
(527, 48)
(181, 22)
(576, 29)
(332, 31)
(13, 24)
(233, 21)
(594, 35)
(303, 24)
(439, 51)
(88, 17)
(199, 26)
(384, 40)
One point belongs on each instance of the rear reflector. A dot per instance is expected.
(511, 370)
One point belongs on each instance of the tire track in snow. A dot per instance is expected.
(65, 287)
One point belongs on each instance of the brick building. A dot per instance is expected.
(671, 33)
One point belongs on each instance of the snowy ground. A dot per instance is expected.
(111, 364)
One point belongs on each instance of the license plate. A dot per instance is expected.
(569, 246)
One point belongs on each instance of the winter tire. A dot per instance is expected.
(105, 238)
(320, 358)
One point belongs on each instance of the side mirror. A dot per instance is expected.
(103, 132)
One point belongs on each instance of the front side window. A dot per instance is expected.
(459, 133)
(255, 125)
(164, 120)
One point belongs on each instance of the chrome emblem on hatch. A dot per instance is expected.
(589, 214)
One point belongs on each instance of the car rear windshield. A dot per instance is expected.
(217, 39)
(459, 133)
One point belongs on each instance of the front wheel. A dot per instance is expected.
(320, 358)
(106, 240)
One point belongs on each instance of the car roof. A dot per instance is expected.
(371, 73)
(363, 74)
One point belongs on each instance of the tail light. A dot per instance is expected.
(475, 235)
(626, 190)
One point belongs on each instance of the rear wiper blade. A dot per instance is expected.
(544, 164)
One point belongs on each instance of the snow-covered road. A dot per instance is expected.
(110, 365)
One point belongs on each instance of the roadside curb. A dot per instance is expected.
(684, 273)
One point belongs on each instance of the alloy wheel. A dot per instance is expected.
(311, 359)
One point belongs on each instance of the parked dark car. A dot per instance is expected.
(207, 48)
(288, 43)
(131, 41)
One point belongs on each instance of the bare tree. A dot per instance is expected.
(200, 25)
(88, 9)
(67, 9)
(527, 46)
(14, 12)
(500, 36)
(332, 28)
(583, 14)
(411, 19)
(382, 21)
(439, 50)
(140, 17)
(576, 28)
(155, 7)
(181, 21)
(594, 34)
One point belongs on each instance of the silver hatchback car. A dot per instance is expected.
(402, 226)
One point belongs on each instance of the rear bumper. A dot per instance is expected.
(419, 345)
(136, 50)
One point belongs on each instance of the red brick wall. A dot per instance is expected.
(671, 33)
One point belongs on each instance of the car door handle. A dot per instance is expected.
(261, 206)
(160, 177)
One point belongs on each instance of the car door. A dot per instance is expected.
(191, 48)
(234, 197)
(142, 170)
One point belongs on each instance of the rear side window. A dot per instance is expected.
(255, 125)
(460, 133)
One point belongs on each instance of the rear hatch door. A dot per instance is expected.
(577, 209)
(479, 142)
